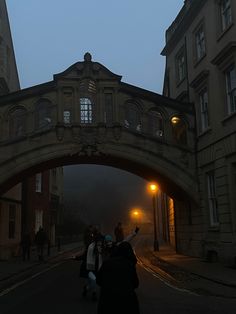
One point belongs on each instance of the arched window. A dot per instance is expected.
(132, 117)
(155, 123)
(179, 129)
(17, 122)
(87, 101)
(43, 113)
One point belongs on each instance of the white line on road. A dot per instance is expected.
(155, 274)
(6, 291)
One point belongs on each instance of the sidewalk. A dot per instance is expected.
(214, 272)
(14, 266)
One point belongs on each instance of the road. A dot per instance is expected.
(58, 289)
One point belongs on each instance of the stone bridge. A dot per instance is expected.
(86, 114)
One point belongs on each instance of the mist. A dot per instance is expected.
(102, 195)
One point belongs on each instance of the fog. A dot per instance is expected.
(104, 195)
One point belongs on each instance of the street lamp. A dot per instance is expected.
(153, 187)
(136, 215)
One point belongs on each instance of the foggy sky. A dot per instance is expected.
(105, 195)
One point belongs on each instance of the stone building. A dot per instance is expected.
(200, 53)
(23, 208)
(10, 202)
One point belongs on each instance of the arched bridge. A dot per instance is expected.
(86, 114)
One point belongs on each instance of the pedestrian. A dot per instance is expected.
(40, 240)
(93, 263)
(119, 232)
(88, 236)
(110, 247)
(26, 246)
(118, 280)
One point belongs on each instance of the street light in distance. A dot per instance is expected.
(153, 188)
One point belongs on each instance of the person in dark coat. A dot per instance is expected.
(26, 246)
(40, 240)
(118, 280)
(119, 232)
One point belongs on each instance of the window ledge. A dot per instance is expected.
(214, 228)
(204, 132)
(197, 61)
(178, 83)
(225, 31)
(229, 117)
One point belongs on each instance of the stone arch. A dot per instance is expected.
(43, 114)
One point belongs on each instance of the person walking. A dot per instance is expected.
(40, 241)
(119, 232)
(93, 263)
(118, 280)
(26, 246)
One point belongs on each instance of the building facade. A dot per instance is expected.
(10, 202)
(200, 56)
(36, 201)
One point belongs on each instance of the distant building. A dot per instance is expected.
(10, 203)
(24, 208)
(42, 199)
(200, 55)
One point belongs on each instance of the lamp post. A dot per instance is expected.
(153, 187)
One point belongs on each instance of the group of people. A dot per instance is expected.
(40, 241)
(110, 265)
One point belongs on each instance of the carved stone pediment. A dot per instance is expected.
(88, 68)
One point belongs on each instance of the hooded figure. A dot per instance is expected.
(118, 280)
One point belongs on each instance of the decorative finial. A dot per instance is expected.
(87, 57)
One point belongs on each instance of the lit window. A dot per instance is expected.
(231, 89)
(212, 200)
(38, 182)
(203, 97)
(86, 111)
(179, 130)
(226, 13)
(200, 43)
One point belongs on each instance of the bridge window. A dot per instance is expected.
(86, 111)
(132, 117)
(17, 123)
(179, 130)
(108, 114)
(67, 117)
(43, 115)
(155, 123)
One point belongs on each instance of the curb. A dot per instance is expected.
(224, 283)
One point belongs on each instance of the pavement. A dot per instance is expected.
(213, 271)
(219, 279)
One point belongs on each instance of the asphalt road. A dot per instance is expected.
(58, 290)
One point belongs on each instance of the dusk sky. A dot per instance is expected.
(127, 37)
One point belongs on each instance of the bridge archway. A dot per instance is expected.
(85, 116)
